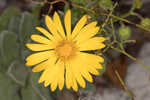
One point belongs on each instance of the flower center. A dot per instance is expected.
(65, 49)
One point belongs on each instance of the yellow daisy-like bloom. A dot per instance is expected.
(61, 56)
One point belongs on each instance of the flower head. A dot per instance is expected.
(60, 52)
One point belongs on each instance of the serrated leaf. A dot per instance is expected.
(8, 89)
(35, 91)
(18, 72)
(8, 48)
(6, 16)
(26, 27)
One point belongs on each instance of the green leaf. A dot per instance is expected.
(26, 27)
(29, 94)
(124, 32)
(36, 12)
(137, 4)
(146, 23)
(35, 91)
(6, 16)
(14, 24)
(25, 53)
(18, 72)
(81, 2)
(8, 89)
(106, 4)
(0, 60)
(76, 14)
(8, 48)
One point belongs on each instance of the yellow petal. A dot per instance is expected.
(85, 31)
(92, 70)
(61, 77)
(58, 25)
(39, 47)
(45, 76)
(69, 76)
(91, 58)
(83, 64)
(87, 76)
(36, 58)
(54, 85)
(53, 75)
(48, 74)
(98, 65)
(46, 64)
(89, 34)
(73, 76)
(76, 69)
(79, 26)
(80, 64)
(92, 44)
(42, 66)
(50, 24)
(45, 32)
(77, 73)
(40, 39)
(80, 80)
(67, 21)
(75, 86)
(46, 83)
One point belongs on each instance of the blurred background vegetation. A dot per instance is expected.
(125, 23)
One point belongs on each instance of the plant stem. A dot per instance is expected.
(124, 86)
(131, 57)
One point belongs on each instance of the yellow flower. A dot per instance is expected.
(61, 56)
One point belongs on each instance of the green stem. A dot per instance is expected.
(126, 14)
(127, 21)
(113, 30)
(138, 15)
(131, 57)
(124, 86)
